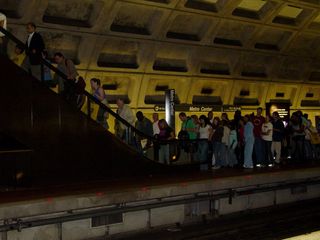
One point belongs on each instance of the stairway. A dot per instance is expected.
(66, 144)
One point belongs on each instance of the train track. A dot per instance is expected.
(277, 222)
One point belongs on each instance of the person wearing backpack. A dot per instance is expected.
(188, 132)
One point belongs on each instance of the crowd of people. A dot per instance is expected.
(245, 141)
(215, 142)
(252, 140)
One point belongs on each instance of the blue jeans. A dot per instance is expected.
(203, 154)
(231, 158)
(248, 148)
(164, 154)
(219, 150)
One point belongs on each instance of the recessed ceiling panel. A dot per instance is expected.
(272, 39)
(292, 68)
(233, 33)
(315, 2)
(188, 27)
(292, 15)
(119, 54)
(307, 45)
(136, 19)
(254, 9)
(290, 12)
(67, 44)
(315, 24)
(212, 6)
(71, 13)
(13, 8)
(159, 1)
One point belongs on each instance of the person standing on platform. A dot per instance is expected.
(266, 131)
(248, 142)
(218, 159)
(35, 47)
(233, 143)
(188, 132)
(240, 137)
(277, 137)
(225, 142)
(210, 117)
(166, 133)
(125, 112)
(257, 121)
(205, 133)
(99, 94)
(239, 148)
(155, 124)
(3, 41)
(298, 138)
(224, 117)
(188, 126)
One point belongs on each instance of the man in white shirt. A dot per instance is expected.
(3, 24)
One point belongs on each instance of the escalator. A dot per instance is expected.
(66, 144)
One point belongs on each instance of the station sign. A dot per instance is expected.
(230, 108)
(190, 108)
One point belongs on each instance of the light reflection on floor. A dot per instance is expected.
(308, 236)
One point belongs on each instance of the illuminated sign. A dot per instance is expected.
(189, 108)
(230, 108)
(282, 108)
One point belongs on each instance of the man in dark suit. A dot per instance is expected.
(35, 47)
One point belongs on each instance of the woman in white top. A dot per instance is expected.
(266, 134)
(205, 132)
